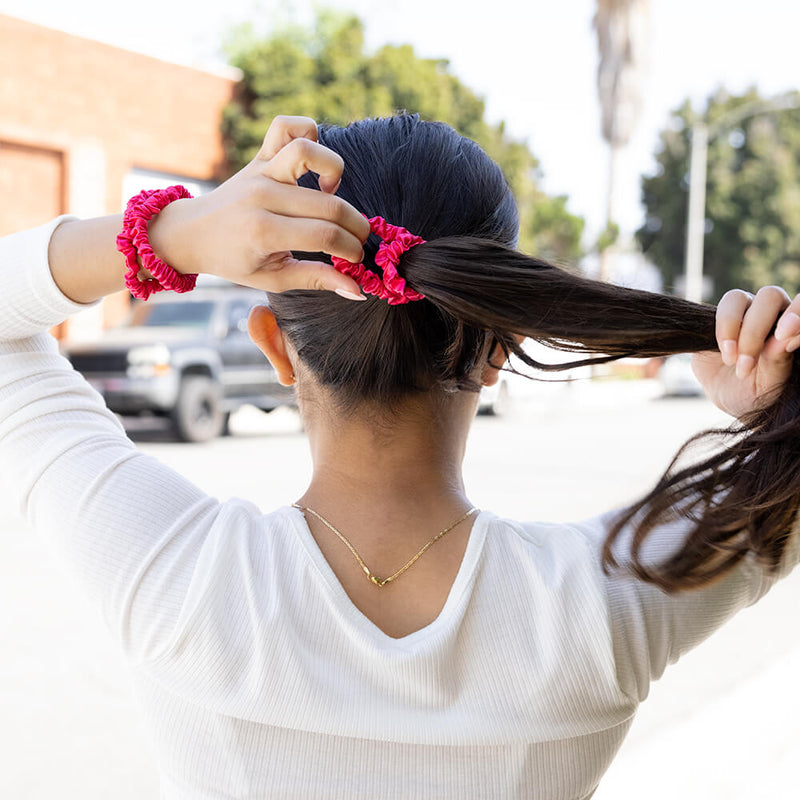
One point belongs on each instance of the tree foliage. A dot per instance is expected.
(325, 73)
(752, 197)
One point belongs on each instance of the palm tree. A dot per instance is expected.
(622, 38)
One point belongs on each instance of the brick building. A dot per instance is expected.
(84, 125)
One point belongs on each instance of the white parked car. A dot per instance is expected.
(677, 377)
(497, 400)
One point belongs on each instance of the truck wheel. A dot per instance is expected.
(198, 416)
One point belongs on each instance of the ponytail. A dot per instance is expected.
(491, 286)
(741, 499)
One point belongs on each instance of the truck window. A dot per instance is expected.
(181, 315)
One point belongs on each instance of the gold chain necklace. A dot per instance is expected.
(374, 578)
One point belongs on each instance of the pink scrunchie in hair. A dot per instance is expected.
(395, 242)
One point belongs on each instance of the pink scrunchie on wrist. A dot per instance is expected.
(134, 243)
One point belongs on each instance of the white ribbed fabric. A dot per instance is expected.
(259, 677)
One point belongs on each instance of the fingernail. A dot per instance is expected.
(728, 349)
(788, 326)
(349, 295)
(744, 366)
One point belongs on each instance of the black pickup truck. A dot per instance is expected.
(185, 357)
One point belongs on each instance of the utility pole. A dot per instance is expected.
(696, 215)
(698, 168)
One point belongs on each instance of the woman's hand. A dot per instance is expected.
(244, 230)
(756, 335)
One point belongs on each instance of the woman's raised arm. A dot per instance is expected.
(242, 231)
(131, 529)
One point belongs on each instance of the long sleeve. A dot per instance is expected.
(130, 529)
(651, 628)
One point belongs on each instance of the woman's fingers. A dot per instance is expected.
(282, 131)
(730, 313)
(296, 159)
(316, 276)
(278, 234)
(753, 333)
(299, 202)
(246, 228)
(275, 216)
(788, 328)
(300, 156)
(760, 318)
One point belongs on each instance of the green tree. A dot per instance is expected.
(752, 198)
(326, 74)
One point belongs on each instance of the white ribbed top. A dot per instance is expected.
(259, 677)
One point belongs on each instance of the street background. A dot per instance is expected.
(721, 724)
(533, 62)
(83, 127)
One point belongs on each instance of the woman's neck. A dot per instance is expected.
(393, 480)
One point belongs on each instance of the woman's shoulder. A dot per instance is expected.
(554, 535)
(557, 552)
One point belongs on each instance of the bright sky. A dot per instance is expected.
(533, 61)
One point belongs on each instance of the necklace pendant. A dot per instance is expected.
(380, 582)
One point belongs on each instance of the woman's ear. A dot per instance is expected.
(490, 373)
(267, 335)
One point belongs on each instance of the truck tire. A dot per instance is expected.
(198, 415)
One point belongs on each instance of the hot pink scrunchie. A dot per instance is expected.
(395, 242)
(134, 243)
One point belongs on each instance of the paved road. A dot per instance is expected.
(721, 724)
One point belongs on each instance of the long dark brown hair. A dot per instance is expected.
(481, 291)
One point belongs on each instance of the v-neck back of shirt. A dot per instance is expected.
(469, 562)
